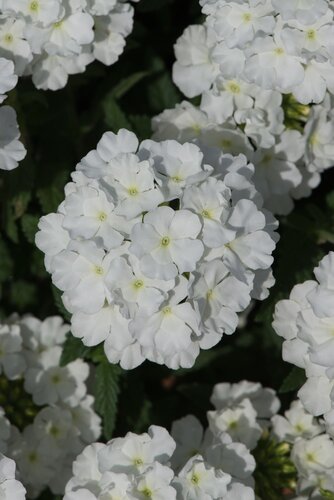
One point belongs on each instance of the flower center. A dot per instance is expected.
(234, 87)
(166, 310)
(98, 270)
(8, 38)
(54, 431)
(146, 492)
(209, 294)
(165, 241)
(226, 143)
(34, 6)
(279, 51)
(57, 24)
(195, 479)
(177, 179)
(55, 379)
(133, 191)
(246, 17)
(233, 424)
(138, 461)
(138, 284)
(102, 216)
(206, 213)
(311, 34)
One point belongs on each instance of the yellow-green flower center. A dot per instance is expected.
(138, 284)
(279, 51)
(165, 241)
(247, 17)
(133, 191)
(8, 38)
(34, 6)
(311, 34)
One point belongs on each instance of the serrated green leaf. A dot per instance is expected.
(29, 226)
(107, 388)
(293, 381)
(73, 349)
(127, 84)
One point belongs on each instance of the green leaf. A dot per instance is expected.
(127, 83)
(141, 125)
(6, 262)
(73, 349)
(327, 494)
(114, 116)
(293, 381)
(59, 303)
(163, 93)
(23, 294)
(52, 193)
(107, 388)
(29, 226)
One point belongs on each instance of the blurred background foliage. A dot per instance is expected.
(58, 129)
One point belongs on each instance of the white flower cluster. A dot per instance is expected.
(11, 149)
(52, 39)
(10, 488)
(312, 450)
(306, 322)
(154, 281)
(274, 44)
(191, 464)
(241, 60)
(30, 351)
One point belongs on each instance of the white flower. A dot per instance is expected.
(168, 334)
(195, 69)
(110, 33)
(273, 65)
(197, 480)
(12, 362)
(239, 421)
(133, 453)
(57, 383)
(155, 483)
(304, 12)
(296, 423)
(263, 399)
(40, 11)
(11, 149)
(8, 79)
(166, 242)
(10, 488)
(239, 23)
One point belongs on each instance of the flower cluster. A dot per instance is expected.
(248, 451)
(11, 149)
(155, 251)
(52, 39)
(241, 61)
(306, 322)
(47, 416)
(188, 464)
(273, 44)
(10, 488)
(312, 450)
